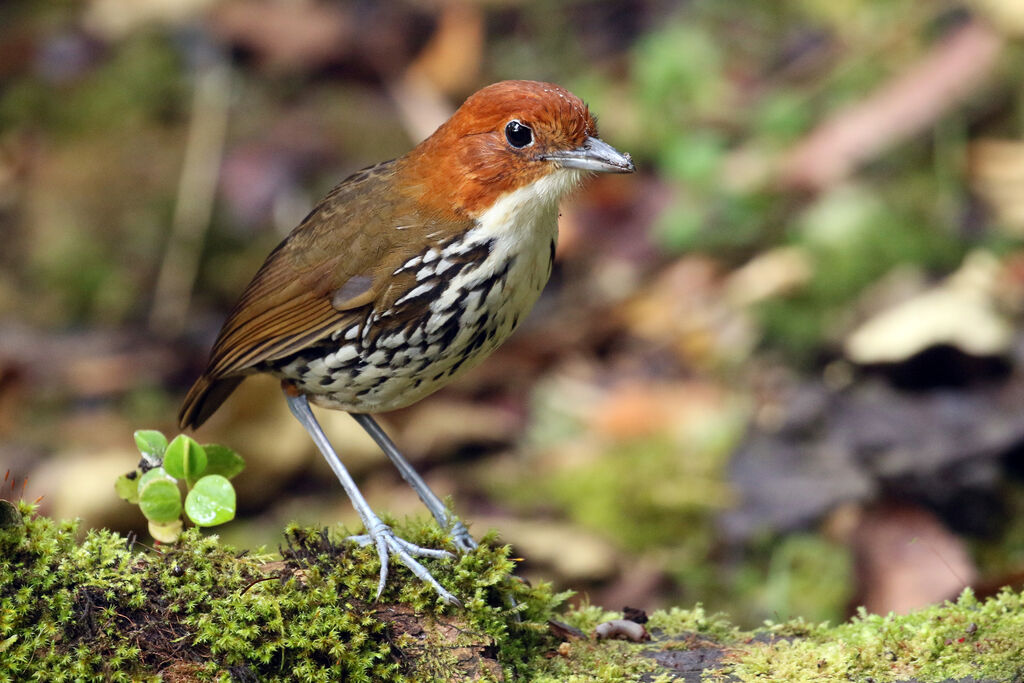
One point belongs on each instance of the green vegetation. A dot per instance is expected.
(104, 607)
(154, 485)
(983, 640)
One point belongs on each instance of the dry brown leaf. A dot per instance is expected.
(961, 312)
(906, 559)
(451, 59)
(686, 309)
(643, 409)
(772, 273)
(643, 580)
(447, 65)
(1010, 289)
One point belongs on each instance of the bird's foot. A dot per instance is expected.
(461, 538)
(387, 543)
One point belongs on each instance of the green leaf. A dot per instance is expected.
(222, 460)
(185, 459)
(153, 475)
(211, 501)
(127, 486)
(159, 499)
(151, 444)
(165, 532)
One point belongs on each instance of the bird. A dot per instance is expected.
(407, 274)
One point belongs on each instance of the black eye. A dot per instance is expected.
(518, 134)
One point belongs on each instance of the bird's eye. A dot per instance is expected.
(518, 134)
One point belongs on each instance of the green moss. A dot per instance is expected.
(968, 638)
(616, 660)
(101, 608)
(605, 661)
(53, 591)
(983, 640)
(676, 621)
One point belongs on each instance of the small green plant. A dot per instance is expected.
(155, 484)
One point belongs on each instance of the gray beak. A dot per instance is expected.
(593, 155)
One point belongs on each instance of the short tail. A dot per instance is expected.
(204, 398)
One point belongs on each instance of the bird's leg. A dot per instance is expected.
(460, 534)
(377, 532)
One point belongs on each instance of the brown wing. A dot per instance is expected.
(280, 312)
(317, 281)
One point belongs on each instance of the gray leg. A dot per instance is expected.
(377, 532)
(459, 532)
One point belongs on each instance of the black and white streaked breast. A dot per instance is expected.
(468, 295)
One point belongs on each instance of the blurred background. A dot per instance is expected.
(778, 370)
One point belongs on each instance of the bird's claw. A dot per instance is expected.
(460, 536)
(387, 543)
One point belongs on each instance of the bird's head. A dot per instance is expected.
(508, 136)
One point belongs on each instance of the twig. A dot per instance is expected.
(196, 193)
(901, 108)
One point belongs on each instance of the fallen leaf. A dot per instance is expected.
(960, 312)
(906, 559)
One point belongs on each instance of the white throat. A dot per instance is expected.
(529, 213)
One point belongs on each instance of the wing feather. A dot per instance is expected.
(298, 296)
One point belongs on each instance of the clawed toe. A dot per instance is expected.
(388, 544)
(377, 532)
(463, 541)
(413, 549)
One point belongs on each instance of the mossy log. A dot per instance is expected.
(104, 607)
